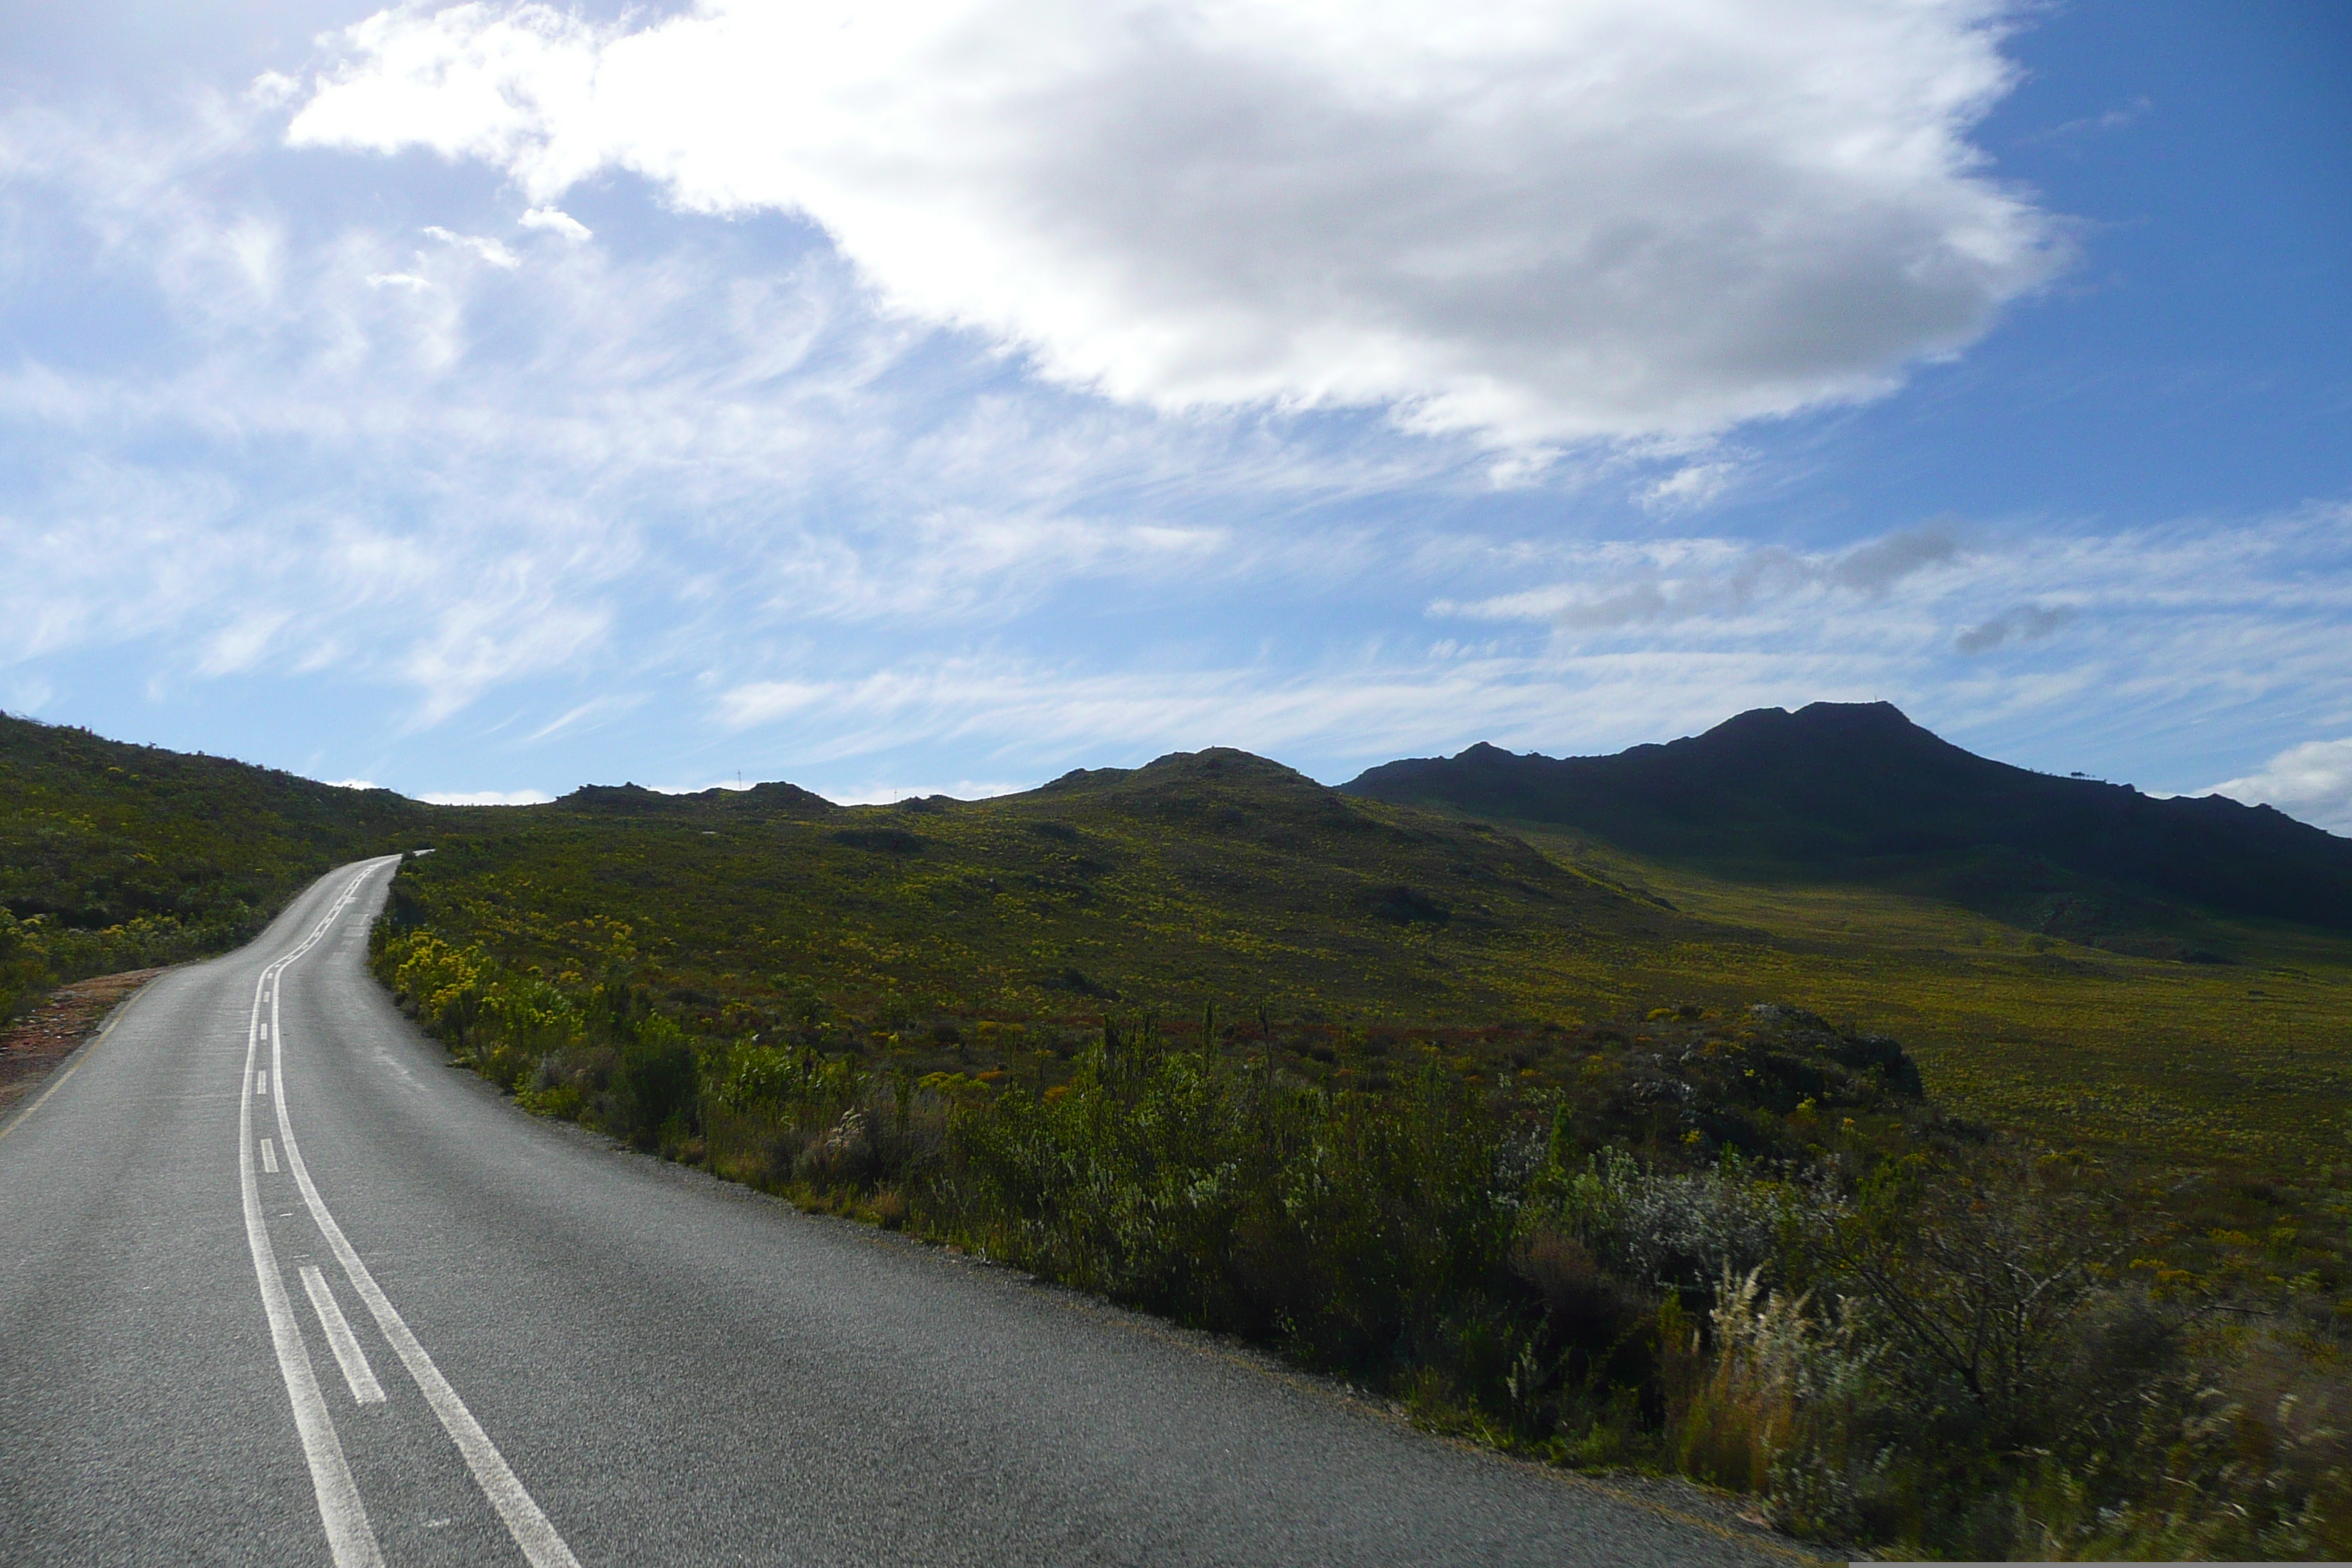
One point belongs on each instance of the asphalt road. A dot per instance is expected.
(363, 1310)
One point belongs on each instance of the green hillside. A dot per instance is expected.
(1216, 876)
(1219, 878)
(117, 856)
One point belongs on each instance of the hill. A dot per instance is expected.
(1856, 793)
(1473, 1121)
(114, 856)
(1218, 877)
(1211, 875)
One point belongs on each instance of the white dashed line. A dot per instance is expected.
(268, 1157)
(524, 1521)
(365, 1388)
(349, 1534)
(261, 1083)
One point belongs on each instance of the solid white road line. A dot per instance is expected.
(524, 1521)
(365, 1389)
(349, 1534)
(268, 1157)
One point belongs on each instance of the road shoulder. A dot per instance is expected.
(35, 1047)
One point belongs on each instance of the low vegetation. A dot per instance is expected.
(1523, 1130)
(1731, 1239)
(115, 857)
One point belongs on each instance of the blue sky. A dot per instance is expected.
(487, 401)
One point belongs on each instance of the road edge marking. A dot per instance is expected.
(25, 1115)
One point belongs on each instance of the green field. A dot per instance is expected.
(2246, 1064)
(1492, 1120)
(1213, 879)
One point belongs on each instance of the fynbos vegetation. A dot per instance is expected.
(1450, 1148)
(1740, 1244)
(115, 857)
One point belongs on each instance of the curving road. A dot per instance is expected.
(276, 1285)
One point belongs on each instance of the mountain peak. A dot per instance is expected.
(1855, 791)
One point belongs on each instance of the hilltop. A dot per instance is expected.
(1857, 793)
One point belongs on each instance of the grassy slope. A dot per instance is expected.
(832, 995)
(1217, 877)
(1221, 878)
(114, 855)
(2247, 1064)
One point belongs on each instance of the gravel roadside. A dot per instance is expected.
(32, 1047)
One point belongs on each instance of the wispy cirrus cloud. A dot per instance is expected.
(1890, 619)
(441, 474)
(1620, 585)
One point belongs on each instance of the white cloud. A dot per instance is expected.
(272, 89)
(1621, 586)
(447, 490)
(1360, 711)
(1676, 634)
(240, 645)
(842, 548)
(764, 702)
(595, 713)
(349, 783)
(557, 221)
(1535, 219)
(1692, 486)
(2313, 781)
(491, 638)
(490, 250)
(486, 797)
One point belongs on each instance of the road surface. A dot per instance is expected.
(279, 1285)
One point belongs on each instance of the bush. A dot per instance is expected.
(1902, 1335)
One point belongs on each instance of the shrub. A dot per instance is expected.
(1912, 1335)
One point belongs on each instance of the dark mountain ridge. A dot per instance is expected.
(1857, 792)
(773, 799)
